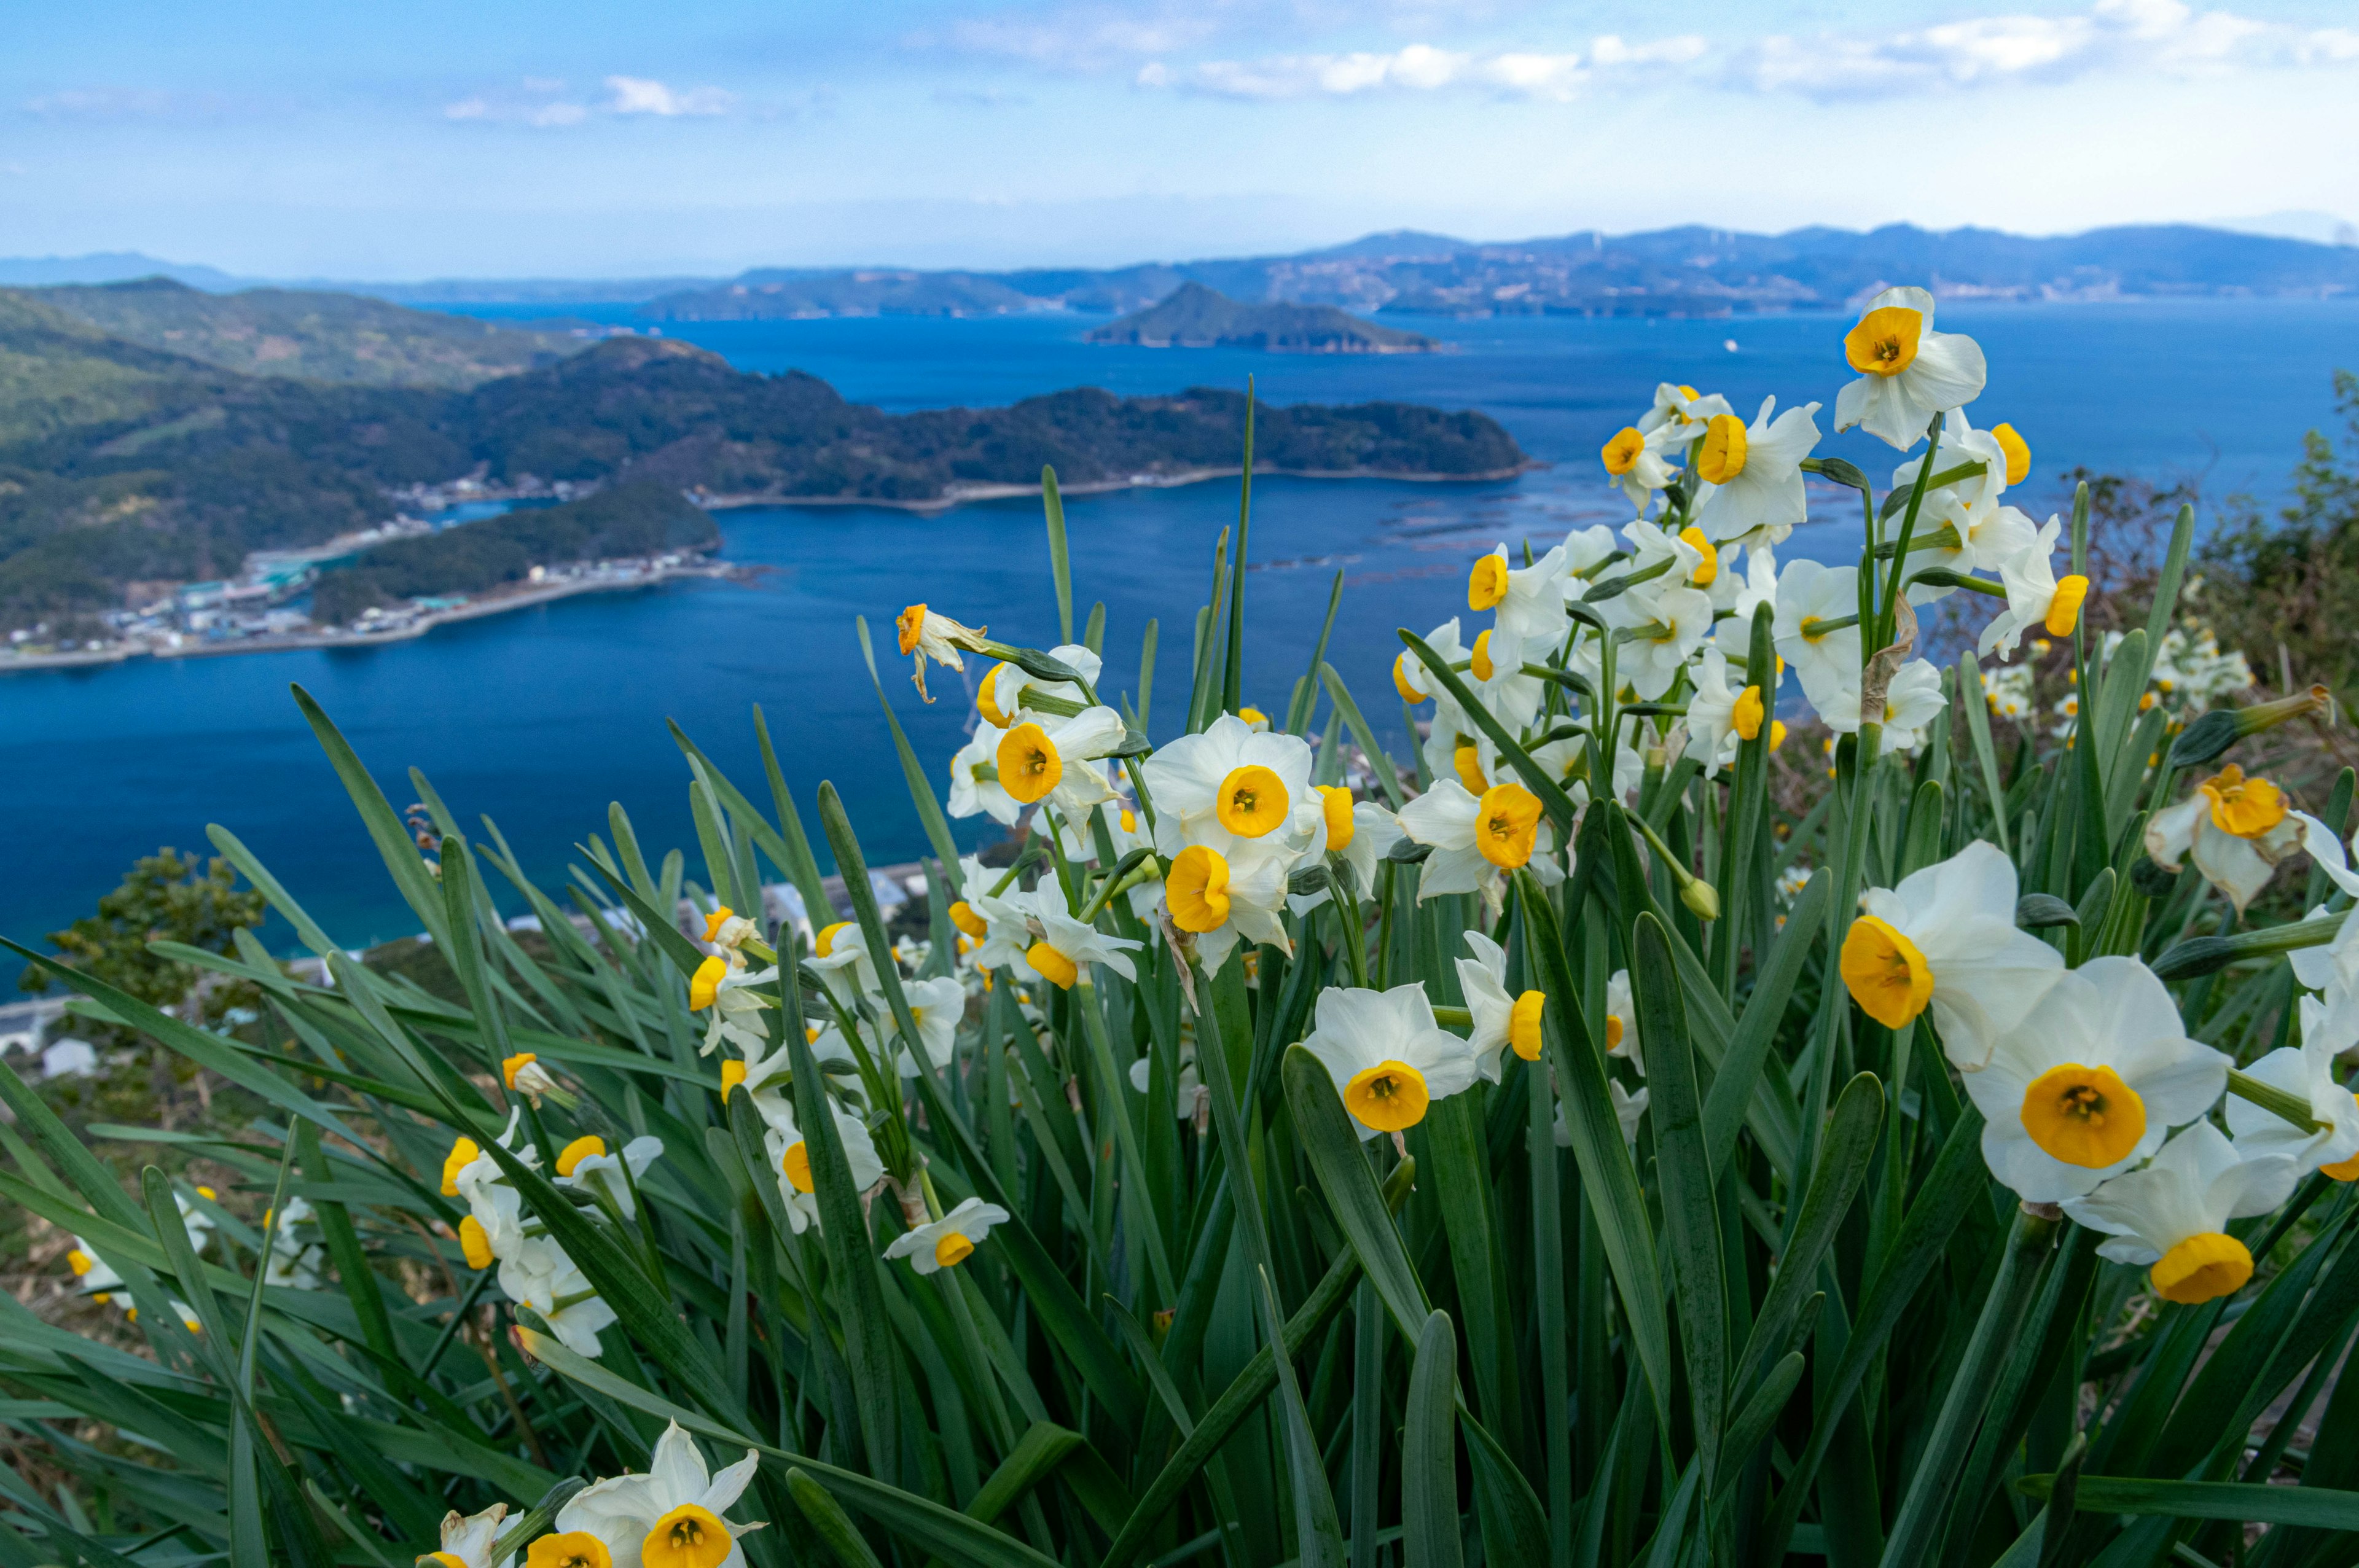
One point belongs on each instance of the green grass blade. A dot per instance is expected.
(1388, 773)
(1319, 1534)
(1060, 564)
(1690, 1213)
(1843, 1155)
(921, 792)
(1431, 1536)
(1333, 1150)
(828, 1521)
(1609, 1183)
(2231, 1500)
(384, 829)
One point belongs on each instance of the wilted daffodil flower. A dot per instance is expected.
(671, 1517)
(1945, 940)
(2089, 1085)
(1503, 1019)
(1909, 373)
(468, 1540)
(950, 1241)
(2173, 1216)
(925, 635)
(1388, 1057)
(2240, 830)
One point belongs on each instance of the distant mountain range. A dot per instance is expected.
(1683, 271)
(1194, 316)
(1669, 272)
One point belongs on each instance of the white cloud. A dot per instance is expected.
(644, 95)
(1421, 68)
(541, 101)
(2165, 36)
(2151, 36)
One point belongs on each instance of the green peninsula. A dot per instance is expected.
(127, 471)
(1195, 317)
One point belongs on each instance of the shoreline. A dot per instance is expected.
(964, 494)
(473, 610)
(526, 599)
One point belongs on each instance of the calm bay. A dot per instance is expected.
(540, 719)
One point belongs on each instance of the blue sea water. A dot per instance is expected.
(540, 719)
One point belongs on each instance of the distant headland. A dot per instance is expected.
(1195, 317)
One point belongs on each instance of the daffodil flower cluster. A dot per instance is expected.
(533, 1270)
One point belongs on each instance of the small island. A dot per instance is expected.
(1195, 317)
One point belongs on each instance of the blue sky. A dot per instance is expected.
(511, 137)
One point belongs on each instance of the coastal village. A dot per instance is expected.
(266, 607)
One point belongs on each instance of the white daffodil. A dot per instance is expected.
(1008, 692)
(2240, 830)
(2307, 1071)
(1502, 1018)
(1815, 630)
(736, 1000)
(1568, 762)
(1409, 675)
(1755, 474)
(1388, 1057)
(468, 1540)
(1621, 1022)
(1528, 606)
(791, 1156)
(1065, 944)
(974, 779)
(2091, 1084)
(925, 635)
(844, 962)
(94, 1273)
(2172, 1216)
(1912, 701)
(668, 1518)
(1361, 832)
(1190, 1100)
(1637, 464)
(296, 1260)
(1456, 747)
(1474, 838)
(1062, 761)
(2036, 596)
(1656, 651)
(937, 1006)
(536, 1272)
(1681, 414)
(1945, 941)
(1586, 550)
(946, 1242)
(585, 1163)
(2334, 969)
(1721, 716)
(1962, 539)
(1629, 1111)
(1224, 890)
(1254, 786)
(1909, 373)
